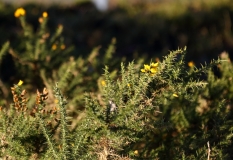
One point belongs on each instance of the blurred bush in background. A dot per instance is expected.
(141, 27)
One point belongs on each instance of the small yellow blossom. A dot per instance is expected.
(103, 83)
(54, 47)
(19, 12)
(128, 85)
(136, 152)
(63, 46)
(146, 68)
(191, 64)
(154, 65)
(152, 68)
(56, 101)
(20, 83)
(175, 95)
(45, 14)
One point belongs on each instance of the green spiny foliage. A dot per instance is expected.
(20, 134)
(39, 50)
(132, 105)
(38, 132)
(42, 59)
(137, 114)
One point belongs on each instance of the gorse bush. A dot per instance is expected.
(42, 58)
(159, 110)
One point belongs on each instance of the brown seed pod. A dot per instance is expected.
(25, 108)
(24, 100)
(38, 93)
(45, 92)
(44, 98)
(16, 99)
(23, 93)
(53, 111)
(17, 106)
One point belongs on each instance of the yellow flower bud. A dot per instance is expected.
(103, 83)
(63, 46)
(54, 47)
(19, 12)
(20, 83)
(45, 14)
(154, 65)
(191, 64)
(175, 95)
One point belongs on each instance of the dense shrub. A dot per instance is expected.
(101, 107)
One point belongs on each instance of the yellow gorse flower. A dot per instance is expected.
(19, 12)
(54, 47)
(45, 14)
(191, 64)
(63, 46)
(154, 65)
(175, 95)
(103, 83)
(56, 101)
(20, 83)
(146, 68)
(152, 68)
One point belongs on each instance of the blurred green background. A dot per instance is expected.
(142, 28)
